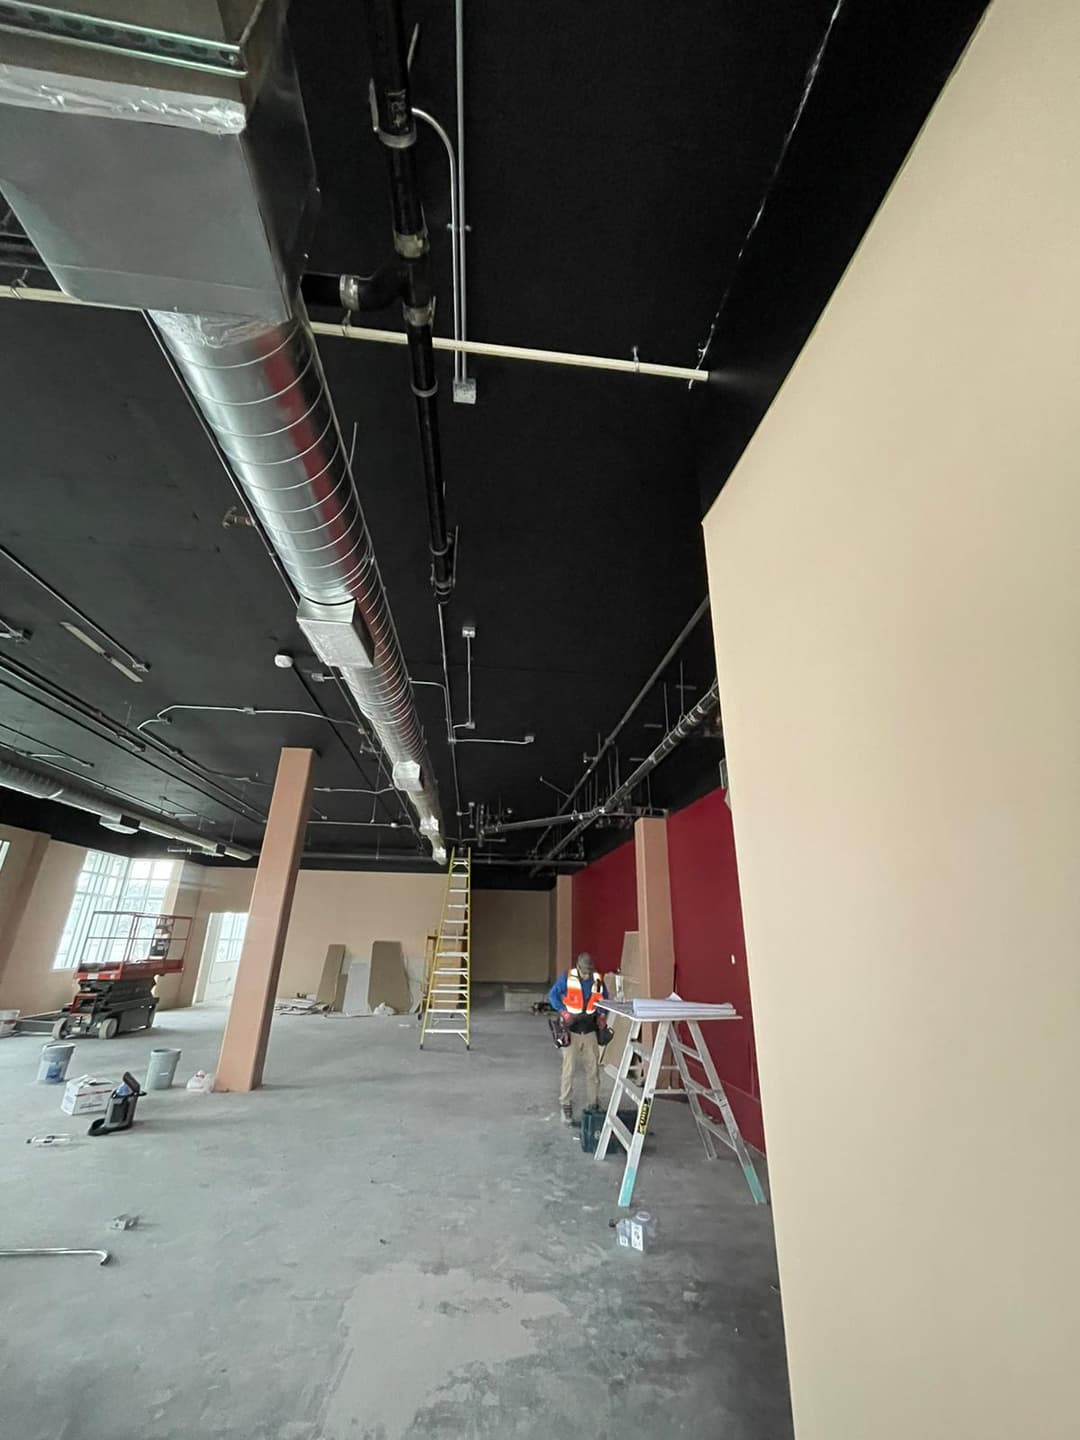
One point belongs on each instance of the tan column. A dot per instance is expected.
(243, 1049)
(564, 923)
(656, 945)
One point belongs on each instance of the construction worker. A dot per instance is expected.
(574, 997)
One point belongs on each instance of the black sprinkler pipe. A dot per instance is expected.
(684, 726)
(396, 129)
(356, 292)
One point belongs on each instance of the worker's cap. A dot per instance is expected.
(584, 962)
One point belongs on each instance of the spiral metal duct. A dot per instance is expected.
(262, 392)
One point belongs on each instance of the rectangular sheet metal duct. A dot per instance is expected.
(155, 184)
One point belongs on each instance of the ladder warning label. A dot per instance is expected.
(643, 1118)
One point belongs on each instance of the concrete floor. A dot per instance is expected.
(379, 1245)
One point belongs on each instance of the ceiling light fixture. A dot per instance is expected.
(92, 644)
(13, 633)
(283, 660)
(124, 825)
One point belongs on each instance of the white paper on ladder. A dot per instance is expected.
(673, 1008)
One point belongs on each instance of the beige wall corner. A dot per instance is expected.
(656, 945)
(247, 1030)
(26, 852)
(183, 899)
(39, 906)
(894, 575)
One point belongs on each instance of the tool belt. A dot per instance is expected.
(561, 1035)
(559, 1032)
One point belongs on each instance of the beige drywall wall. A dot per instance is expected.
(344, 907)
(896, 593)
(37, 884)
(511, 935)
(26, 849)
(28, 981)
(336, 907)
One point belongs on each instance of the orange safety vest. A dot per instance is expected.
(575, 1002)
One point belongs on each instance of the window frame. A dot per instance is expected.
(110, 888)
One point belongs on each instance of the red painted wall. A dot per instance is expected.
(706, 917)
(605, 906)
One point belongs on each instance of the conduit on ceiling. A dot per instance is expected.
(345, 330)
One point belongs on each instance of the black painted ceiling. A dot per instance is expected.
(617, 156)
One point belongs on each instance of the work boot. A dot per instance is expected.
(567, 1115)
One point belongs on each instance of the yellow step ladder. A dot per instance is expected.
(446, 1006)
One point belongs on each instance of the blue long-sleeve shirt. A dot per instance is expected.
(557, 1000)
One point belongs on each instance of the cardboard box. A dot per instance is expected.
(84, 1095)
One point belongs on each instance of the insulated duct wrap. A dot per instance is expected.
(46, 787)
(262, 392)
(49, 787)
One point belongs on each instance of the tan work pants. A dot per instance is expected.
(586, 1050)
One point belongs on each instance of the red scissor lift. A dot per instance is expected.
(122, 956)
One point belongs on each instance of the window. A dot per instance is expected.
(221, 954)
(5, 846)
(145, 886)
(230, 939)
(112, 883)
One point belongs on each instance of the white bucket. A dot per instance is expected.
(161, 1069)
(7, 1021)
(55, 1059)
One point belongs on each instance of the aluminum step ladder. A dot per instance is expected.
(447, 1004)
(725, 1129)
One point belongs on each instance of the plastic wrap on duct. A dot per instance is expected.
(108, 100)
